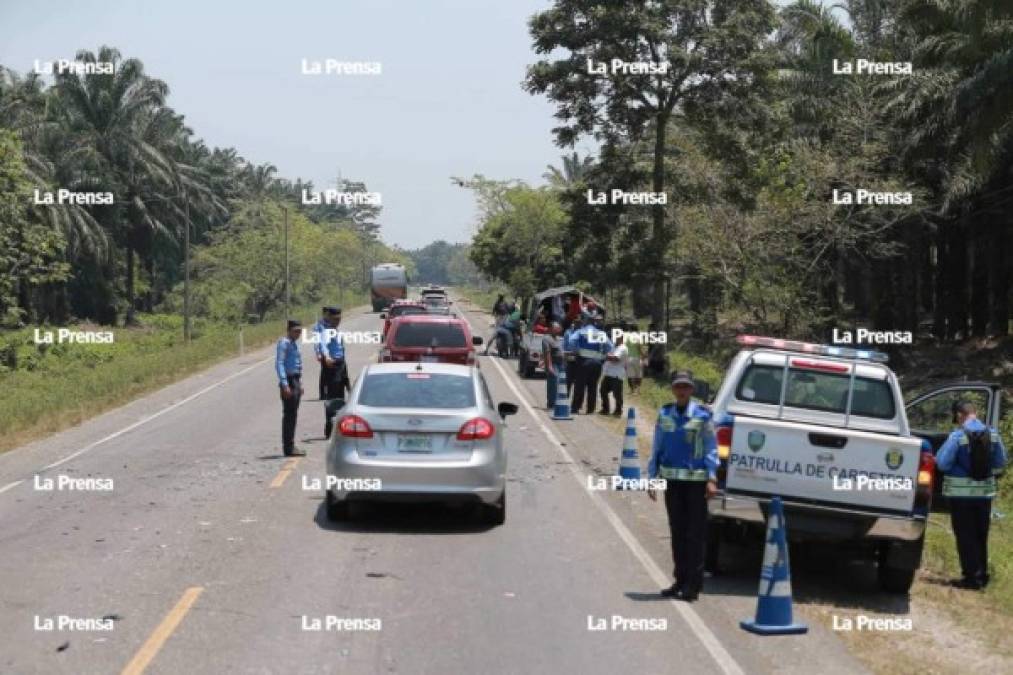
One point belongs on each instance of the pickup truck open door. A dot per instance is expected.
(930, 414)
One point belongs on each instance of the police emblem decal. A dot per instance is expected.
(894, 458)
(756, 439)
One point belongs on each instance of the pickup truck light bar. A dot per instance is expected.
(812, 348)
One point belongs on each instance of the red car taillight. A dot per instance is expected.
(723, 435)
(353, 426)
(926, 478)
(476, 430)
(724, 439)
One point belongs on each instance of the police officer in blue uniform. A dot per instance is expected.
(970, 460)
(330, 353)
(569, 342)
(288, 367)
(685, 454)
(593, 346)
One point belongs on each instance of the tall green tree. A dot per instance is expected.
(702, 47)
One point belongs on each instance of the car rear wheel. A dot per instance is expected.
(336, 511)
(495, 514)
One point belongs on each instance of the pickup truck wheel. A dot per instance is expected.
(895, 579)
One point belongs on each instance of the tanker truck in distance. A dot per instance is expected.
(387, 282)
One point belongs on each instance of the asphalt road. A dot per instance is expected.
(207, 555)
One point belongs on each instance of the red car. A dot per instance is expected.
(429, 337)
(401, 308)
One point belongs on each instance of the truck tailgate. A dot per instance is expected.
(826, 465)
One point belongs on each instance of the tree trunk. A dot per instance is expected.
(978, 255)
(659, 235)
(999, 277)
(131, 318)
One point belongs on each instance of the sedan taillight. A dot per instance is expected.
(353, 426)
(476, 430)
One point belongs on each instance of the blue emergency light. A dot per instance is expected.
(812, 348)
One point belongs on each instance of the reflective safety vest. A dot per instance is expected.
(965, 486)
(684, 446)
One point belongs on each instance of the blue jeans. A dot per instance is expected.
(551, 382)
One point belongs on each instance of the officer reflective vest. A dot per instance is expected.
(685, 447)
(593, 343)
(954, 460)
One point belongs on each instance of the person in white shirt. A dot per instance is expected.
(613, 375)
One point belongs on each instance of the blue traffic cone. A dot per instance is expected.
(629, 462)
(773, 606)
(561, 411)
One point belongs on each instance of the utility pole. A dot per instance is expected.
(186, 274)
(287, 288)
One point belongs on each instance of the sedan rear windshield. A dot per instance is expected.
(405, 310)
(417, 390)
(423, 335)
(814, 390)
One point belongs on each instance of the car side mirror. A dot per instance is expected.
(505, 409)
(476, 340)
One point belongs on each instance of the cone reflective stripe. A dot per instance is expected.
(561, 411)
(773, 606)
(629, 462)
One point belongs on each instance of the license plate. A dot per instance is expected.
(414, 443)
(430, 359)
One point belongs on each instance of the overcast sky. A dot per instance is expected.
(448, 101)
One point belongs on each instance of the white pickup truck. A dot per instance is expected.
(825, 428)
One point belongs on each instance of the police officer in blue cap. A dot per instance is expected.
(330, 353)
(685, 454)
(970, 460)
(288, 367)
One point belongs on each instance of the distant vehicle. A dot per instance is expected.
(419, 433)
(431, 339)
(433, 289)
(437, 304)
(559, 304)
(387, 282)
(825, 428)
(401, 308)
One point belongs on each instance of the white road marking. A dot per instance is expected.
(710, 641)
(7, 487)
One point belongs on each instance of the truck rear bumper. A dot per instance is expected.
(807, 521)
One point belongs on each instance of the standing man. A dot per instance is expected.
(635, 365)
(330, 351)
(288, 367)
(685, 454)
(570, 352)
(592, 346)
(552, 355)
(613, 376)
(970, 460)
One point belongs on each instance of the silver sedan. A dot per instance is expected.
(419, 432)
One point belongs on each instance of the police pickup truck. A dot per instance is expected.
(825, 428)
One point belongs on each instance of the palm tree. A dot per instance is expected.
(115, 117)
(573, 172)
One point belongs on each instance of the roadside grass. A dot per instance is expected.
(54, 387)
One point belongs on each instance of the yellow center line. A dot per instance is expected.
(154, 643)
(286, 469)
